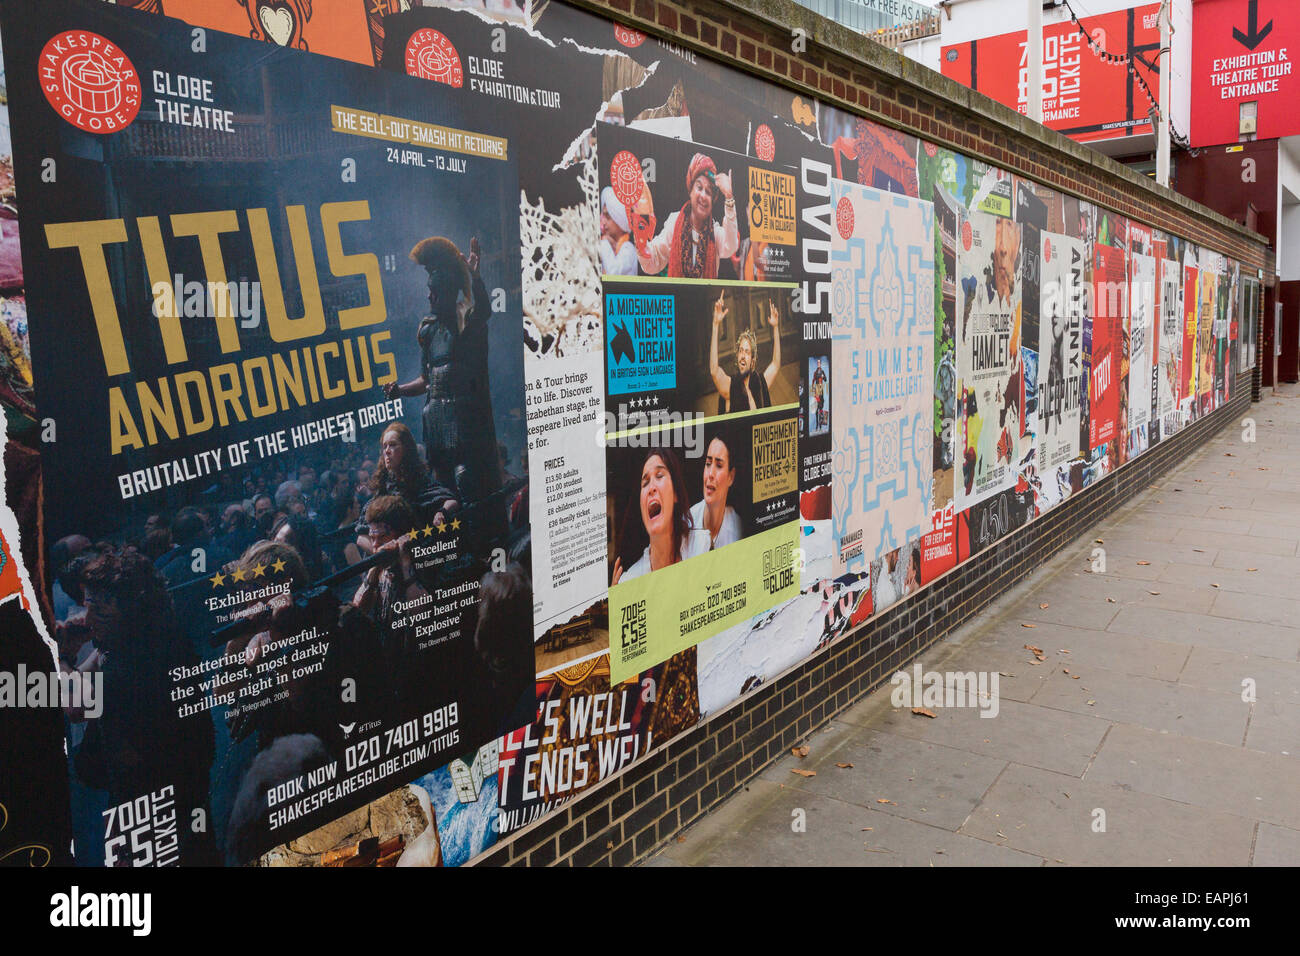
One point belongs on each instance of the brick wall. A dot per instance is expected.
(623, 819)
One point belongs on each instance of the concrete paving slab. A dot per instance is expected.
(1280, 611)
(1276, 846)
(1023, 733)
(1275, 728)
(926, 782)
(1201, 629)
(1157, 704)
(1219, 777)
(1054, 816)
(1201, 538)
(1089, 649)
(834, 833)
(1224, 671)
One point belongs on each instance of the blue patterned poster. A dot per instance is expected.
(882, 372)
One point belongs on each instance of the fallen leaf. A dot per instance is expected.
(845, 766)
(1099, 541)
(1252, 569)
(1199, 550)
(1076, 676)
(1031, 647)
(1091, 703)
(1214, 585)
(1228, 454)
(1043, 606)
(865, 829)
(1110, 600)
(1028, 625)
(1144, 563)
(805, 773)
(883, 800)
(681, 839)
(1065, 650)
(800, 751)
(922, 712)
(1153, 592)
(1065, 670)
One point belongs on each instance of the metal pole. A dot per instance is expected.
(1034, 61)
(1166, 80)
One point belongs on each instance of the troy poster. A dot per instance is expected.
(1060, 361)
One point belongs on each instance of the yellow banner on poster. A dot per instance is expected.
(772, 215)
(656, 615)
(776, 458)
(394, 129)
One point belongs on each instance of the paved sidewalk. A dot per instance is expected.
(1201, 592)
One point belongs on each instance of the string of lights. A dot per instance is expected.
(1118, 58)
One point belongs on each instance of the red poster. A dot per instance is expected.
(1242, 53)
(1084, 96)
(1109, 308)
(939, 547)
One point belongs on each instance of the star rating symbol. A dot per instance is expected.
(217, 579)
(258, 570)
(277, 565)
(455, 524)
(441, 527)
(427, 531)
(238, 575)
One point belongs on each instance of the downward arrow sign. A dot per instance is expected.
(1252, 37)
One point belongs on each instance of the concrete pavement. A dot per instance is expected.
(1129, 743)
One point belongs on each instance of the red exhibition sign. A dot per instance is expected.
(1242, 52)
(1084, 96)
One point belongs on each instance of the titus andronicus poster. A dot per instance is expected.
(249, 269)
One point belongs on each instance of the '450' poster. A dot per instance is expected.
(261, 275)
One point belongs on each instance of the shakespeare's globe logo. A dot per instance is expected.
(431, 56)
(89, 81)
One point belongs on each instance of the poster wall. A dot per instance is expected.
(455, 404)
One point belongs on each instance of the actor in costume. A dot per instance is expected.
(617, 251)
(692, 245)
(459, 430)
(661, 518)
(712, 513)
(402, 473)
(747, 389)
(819, 393)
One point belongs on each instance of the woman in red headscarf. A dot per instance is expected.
(691, 244)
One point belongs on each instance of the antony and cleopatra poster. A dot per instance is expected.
(316, 294)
